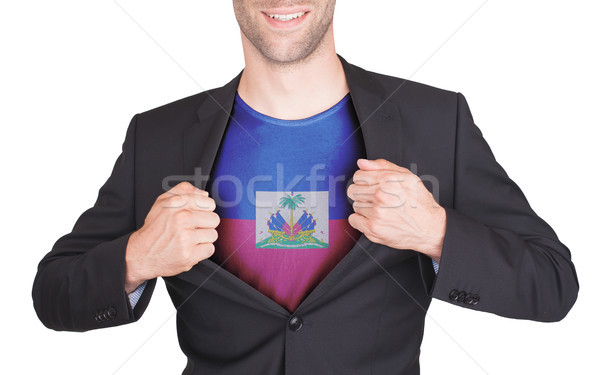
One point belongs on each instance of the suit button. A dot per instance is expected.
(104, 316)
(469, 299)
(295, 323)
(453, 295)
(112, 312)
(475, 299)
(461, 296)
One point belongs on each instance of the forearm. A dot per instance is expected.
(518, 277)
(70, 289)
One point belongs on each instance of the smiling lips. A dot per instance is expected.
(286, 17)
(280, 19)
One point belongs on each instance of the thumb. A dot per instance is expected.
(369, 165)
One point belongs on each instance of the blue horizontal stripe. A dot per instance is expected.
(261, 153)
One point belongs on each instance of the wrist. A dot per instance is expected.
(134, 272)
(433, 248)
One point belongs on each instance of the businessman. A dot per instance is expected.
(304, 215)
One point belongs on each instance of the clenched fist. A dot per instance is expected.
(178, 232)
(392, 207)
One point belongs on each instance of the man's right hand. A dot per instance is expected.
(178, 232)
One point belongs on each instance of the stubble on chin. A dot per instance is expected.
(303, 50)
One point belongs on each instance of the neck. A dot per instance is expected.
(293, 91)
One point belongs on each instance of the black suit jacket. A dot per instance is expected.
(367, 315)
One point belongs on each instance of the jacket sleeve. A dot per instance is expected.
(498, 255)
(79, 284)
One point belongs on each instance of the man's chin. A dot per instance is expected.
(286, 58)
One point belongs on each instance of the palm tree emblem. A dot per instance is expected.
(287, 233)
(292, 202)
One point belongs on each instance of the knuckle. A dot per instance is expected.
(373, 228)
(200, 236)
(385, 176)
(208, 249)
(400, 169)
(190, 262)
(177, 189)
(186, 254)
(184, 238)
(209, 236)
(377, 212)
(205, 203)
(357, 176)
(185, 267)
(181, 217)
(184, 186)
(391, 177)
(175, 200)
(194, 255)
(380, 196)
(360, 204)
(181, 189)
(409, 177)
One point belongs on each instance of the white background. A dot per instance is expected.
(73, 73)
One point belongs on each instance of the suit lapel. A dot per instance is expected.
(202, 141)
(380, 120)
(380, 124)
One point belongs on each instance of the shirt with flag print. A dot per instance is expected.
(280, 191)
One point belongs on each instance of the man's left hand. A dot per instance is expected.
(393, 207)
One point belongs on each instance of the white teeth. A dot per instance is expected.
(286, 17)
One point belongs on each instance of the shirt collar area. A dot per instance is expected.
(239, 103)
